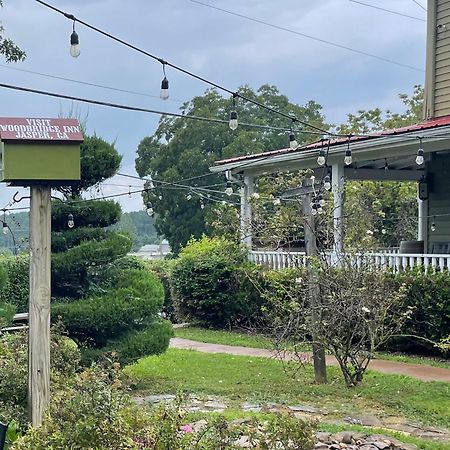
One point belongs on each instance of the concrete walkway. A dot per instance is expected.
(419, 371)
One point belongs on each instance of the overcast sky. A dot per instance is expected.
(225, 48)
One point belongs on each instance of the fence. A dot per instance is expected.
(397, 262)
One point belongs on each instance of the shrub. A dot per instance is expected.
(63, 241)
(74, 270)
(134, 301)
(7, 312)
(15, 287)
(152, 340)
(163, 270)
(64, 355)
(204, 282)
(428, 297)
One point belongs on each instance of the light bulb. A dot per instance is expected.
(322, 202)
(70, 222)
(164, 89)
(188, 197)
(277, 201)
(150, 211)
(160, 197)
(320, 210)
(348, 157)
(229, 191)
(202, 206)
(321, 158)
(5, 228)
(433, 226)
(419, 158)
(74, 45)
(327, 182)
(233, 124)
(314, 211)
(292, 141)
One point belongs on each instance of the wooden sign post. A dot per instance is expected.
(40, 153)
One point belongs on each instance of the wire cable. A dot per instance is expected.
(86, 83)
(147, 110)
(387, 10)
(164, 63)
(289, 30)
(419, 5)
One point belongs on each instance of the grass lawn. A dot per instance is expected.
(241, 378)
(257, 341)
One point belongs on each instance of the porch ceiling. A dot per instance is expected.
(370, 157)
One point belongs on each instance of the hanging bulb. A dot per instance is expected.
(5, 228)
(292, 141)
(419, 158)
(150, 210)
(348, 153)
(276, 201)
(164, 89)
(322, 201)
(202, 205)
(320, 210)
(70, 222)
(233, 124)
(327, 182)
(386, 166)
(314, 210)
(160, 197)
(433, 225)
(188, 197)
(321, 158)
(229, 189)
(74, 43)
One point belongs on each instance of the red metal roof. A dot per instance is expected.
(428, 124)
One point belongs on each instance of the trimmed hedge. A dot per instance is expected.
(134, 302)
(204, 282)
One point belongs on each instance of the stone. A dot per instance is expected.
(324, 437)
(251, 407)
(215, 406)
(382, 444)
(367, 446)
(200, 425)
(321, 446)
(344, 436)
(243, 442)
(306, 409)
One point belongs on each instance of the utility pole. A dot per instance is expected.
(39, 304)
(320, 368)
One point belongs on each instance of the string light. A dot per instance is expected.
(188, 197)
(229, 189)
(321, 158)
(149, 209)
(70, 221)
(321, 200)
(419, 158)
(276, 201)
(164, 85)
(433, 224)
(386, 166)
(74, 43)
(292, 141)
(5, 228)
(327, 182)
(348, 153)
(233, 124)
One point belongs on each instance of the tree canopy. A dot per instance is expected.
(182, 149)
(8, 48)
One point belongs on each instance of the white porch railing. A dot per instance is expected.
(397, 262)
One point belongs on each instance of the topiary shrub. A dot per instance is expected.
(204, 283)
(152, 340)
(133, 303)
(14, 283)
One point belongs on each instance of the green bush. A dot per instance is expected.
(428, 297)
(64, 355)
(133, 302)
(163, 268)
(204, 282)
(152, 340)
(63, 241)
(92, 213)
(74, 271)
(14, 288)
(7, 312)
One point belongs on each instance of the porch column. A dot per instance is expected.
(246, 211)
(422, 234)
(337, 176)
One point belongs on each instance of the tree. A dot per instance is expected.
(8, 48)
(182, 149)
(383, 212)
